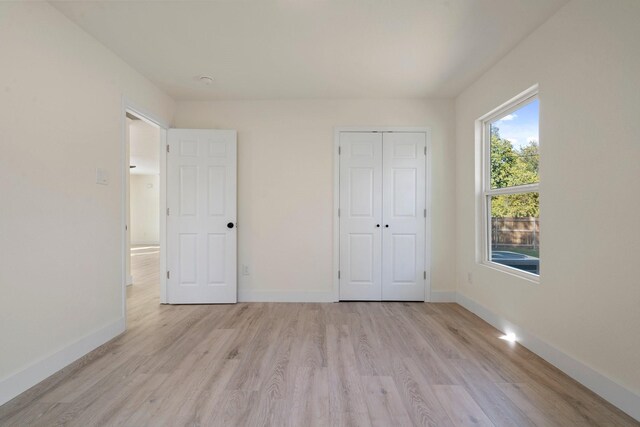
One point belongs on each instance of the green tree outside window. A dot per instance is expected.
(512, 167)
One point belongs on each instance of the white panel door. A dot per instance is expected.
(201, 221)
(360, 215)
(403, 238)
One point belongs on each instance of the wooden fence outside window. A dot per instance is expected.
(518, 232)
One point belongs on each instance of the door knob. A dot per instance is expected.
(230, 225)
(378, 225)
(386, 226)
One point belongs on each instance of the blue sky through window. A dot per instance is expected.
(521, 126)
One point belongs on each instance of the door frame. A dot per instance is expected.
(129, 106)
(336, 199)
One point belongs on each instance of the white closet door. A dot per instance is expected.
(403, 239)
(201, 225)
(360, 215)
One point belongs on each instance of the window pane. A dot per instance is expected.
(515, 231)
(514, 147)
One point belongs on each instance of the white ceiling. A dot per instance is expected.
(144, 148)
(259, 49)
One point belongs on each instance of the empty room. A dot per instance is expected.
(320, 213)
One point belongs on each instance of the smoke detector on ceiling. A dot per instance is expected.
(207, 80)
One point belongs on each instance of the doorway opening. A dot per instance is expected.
(143, 207)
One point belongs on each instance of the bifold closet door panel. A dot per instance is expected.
(403, 214)
(360, 216)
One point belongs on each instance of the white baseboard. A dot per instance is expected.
(618, 395)
(20, 382)
(284, 296)
(443, 296)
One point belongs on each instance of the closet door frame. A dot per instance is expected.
(336, 200)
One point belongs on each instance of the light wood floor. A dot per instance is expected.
(383, 364)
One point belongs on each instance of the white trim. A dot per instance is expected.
(608, 389)
(23, 380)
(284, 296)
(511, 105)
(336, 219)
(124, 163)
(381, 129)
(428, 207)
(336, 199)
(144, 114)
(443, 296)
(163, 217)
(129, 280)
(520, 274)
(485, 192)
(516, 189)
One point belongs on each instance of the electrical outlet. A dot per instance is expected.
(245, 270)
(470, 278)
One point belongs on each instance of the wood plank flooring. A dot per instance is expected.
(258, 364)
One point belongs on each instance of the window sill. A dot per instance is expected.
(529, 277)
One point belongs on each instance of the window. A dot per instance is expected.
(511, 209)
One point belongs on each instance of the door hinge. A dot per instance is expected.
(168, 149)
(168, 211)
(425, 275)
(425, 213)
(168, 274)
(338, 274)
(339, 150)
(338, 212)
(425, 151)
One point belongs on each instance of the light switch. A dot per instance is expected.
(102, 176)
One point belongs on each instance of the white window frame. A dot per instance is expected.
(486, 192)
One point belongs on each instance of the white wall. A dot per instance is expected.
(285, 184)
(586, 60)
(145, 209)
(60, 233)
